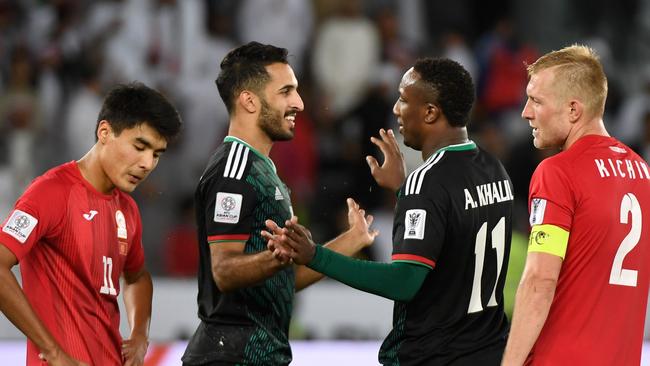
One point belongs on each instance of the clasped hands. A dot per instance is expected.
(294, 243)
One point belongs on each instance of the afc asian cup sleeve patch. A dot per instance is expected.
(20, 225)
(414, 223)
(227, 207)
(537, 208)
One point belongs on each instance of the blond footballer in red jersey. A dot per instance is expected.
(76, 231)
(582, 298)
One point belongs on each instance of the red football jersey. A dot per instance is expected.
(599, 191)
(73, 243)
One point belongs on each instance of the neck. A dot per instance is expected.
(592, 127)
(91, 170)
(455, 135)
(253, 136)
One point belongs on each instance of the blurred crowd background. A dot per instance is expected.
(59, 57)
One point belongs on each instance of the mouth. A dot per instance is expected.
(291, 118)
(134, 179)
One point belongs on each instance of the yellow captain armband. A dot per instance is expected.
(549, 239)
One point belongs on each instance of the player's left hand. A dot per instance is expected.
(392, 172)
(134, 350)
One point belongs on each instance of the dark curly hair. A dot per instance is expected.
(130, 105)
(243, 68)
(452, 86)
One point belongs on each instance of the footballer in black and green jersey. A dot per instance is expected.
(453, 215)
(237, 192)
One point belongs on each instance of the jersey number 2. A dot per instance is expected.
(498, 243)
(619, 275)
(108, 287)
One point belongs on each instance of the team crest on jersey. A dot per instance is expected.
(121, 225)
(227, 207)
(414, 221)
(20, 225)
(537, 208)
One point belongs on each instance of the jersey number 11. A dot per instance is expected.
(498, 243)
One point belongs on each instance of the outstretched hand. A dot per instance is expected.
(360, 225)
(392, 172)
(281, 252)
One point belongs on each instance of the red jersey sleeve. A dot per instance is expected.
(37, 214)
(135, 255)
(551, 199)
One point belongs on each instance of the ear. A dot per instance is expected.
(103, 131)
(248, 101)
(432, 113)
(576, 109)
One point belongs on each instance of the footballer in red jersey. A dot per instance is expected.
(583, 295)
(75, 231)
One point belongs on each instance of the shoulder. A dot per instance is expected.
(420, 177)
(52, 185)
(556, 165)
(231, 161)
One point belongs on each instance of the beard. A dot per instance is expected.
(271, 121)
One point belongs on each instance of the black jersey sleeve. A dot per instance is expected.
(419, 228)
(229, 205)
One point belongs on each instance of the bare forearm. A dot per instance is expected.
(532, 305)
(17, 309)
(242, 270)
(137, 300)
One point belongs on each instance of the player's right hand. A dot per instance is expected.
(281, 251)
(60, 358)
(360, 225)
(392, 172)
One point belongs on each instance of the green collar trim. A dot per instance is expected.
(262, 156)
(469, 145)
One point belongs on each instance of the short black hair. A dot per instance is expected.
(452, 86)
(130, 105)
(245, 68)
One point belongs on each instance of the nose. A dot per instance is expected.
(527, 112)
(396, 110)
(148, 161)
(298, 103)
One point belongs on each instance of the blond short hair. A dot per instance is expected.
(578, 74)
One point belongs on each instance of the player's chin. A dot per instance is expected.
(285, 135)
(127, 186)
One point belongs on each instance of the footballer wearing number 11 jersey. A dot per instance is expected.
(76, 231)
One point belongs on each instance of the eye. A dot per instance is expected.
(139, 148)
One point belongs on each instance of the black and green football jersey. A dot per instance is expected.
(238, 191)
(454, 215)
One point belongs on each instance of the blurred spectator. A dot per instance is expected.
(20, 118)
(455, 47)
(503, 77)
(630, 127)
(283, 23)
(345, 56)
(85, 104)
